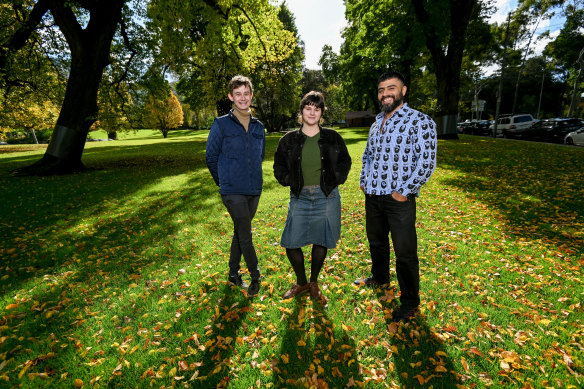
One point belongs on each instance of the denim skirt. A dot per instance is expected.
(313, 218)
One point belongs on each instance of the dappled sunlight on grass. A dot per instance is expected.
(117, 276)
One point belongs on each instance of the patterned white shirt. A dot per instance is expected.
(402, 156)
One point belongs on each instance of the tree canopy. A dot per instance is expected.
(202, 43)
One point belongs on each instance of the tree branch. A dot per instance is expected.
(255, 29)
(21, 35)
(68, 24)
(128, 44)
(215, 6)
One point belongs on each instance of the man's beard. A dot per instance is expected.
(388, 108)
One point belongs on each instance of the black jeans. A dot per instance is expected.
(242, 209)
(386, 215)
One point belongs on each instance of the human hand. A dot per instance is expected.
(398, 197)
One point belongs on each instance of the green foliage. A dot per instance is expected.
(334, 99)
(32, 81)
(206, 43)
(277, 83)
(566, 47)
(115, 105)
(380, 36)
(335, 105)
(119, 277)
(329, 62)
(313, 80)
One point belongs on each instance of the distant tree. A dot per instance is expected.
(329, 62)
(567, 50)
(163, 114)
(28, 114)
(335, 104)
(31, 97)
(115, 104)
(418, 38)
(446, 43)
(277, 82)
(380, 36)
(313, 80)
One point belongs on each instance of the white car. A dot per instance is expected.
(512, 126)
(575, 137)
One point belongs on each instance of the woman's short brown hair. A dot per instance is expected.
(312, 98)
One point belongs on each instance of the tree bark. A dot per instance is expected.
(90, 51)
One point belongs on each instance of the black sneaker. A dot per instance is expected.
(367, 281)
(254, 288)
(237, 280)
(404, 313)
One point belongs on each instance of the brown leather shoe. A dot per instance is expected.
(297, 290)
(316, 294)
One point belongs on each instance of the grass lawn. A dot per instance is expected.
(116, 277)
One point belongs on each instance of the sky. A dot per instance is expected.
(321, 22)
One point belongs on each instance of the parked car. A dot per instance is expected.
(512, 126)
(463, 127)
(575, 137)
(474, 127)
(553, 130)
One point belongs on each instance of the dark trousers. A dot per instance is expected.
(242, 209)
(385, 215)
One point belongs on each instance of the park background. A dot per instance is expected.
(114, 253)
(117, 276)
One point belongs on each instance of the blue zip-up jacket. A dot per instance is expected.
(234, 157)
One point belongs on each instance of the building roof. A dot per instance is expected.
(359, 114)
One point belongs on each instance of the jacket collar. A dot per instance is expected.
(232, 116)
(323, 132)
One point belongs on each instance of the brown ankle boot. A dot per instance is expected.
(296, 290)
(316, 294)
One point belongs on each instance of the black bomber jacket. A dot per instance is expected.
(334, 157)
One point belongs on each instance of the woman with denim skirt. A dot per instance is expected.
(313, 161)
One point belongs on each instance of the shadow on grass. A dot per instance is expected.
(328, 358)
(78, 250)
(214, 365)
(419, 357)
(68, 241)
(537, 188)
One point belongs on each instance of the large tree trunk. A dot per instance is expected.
(223, 106)
(447, 64)
(90, 51)
(448, 83)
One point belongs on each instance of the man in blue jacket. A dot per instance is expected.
(234, 156)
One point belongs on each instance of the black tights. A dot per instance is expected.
(296, 258)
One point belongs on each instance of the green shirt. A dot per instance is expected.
(311, 164)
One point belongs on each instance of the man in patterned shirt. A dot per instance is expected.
(399, 158)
